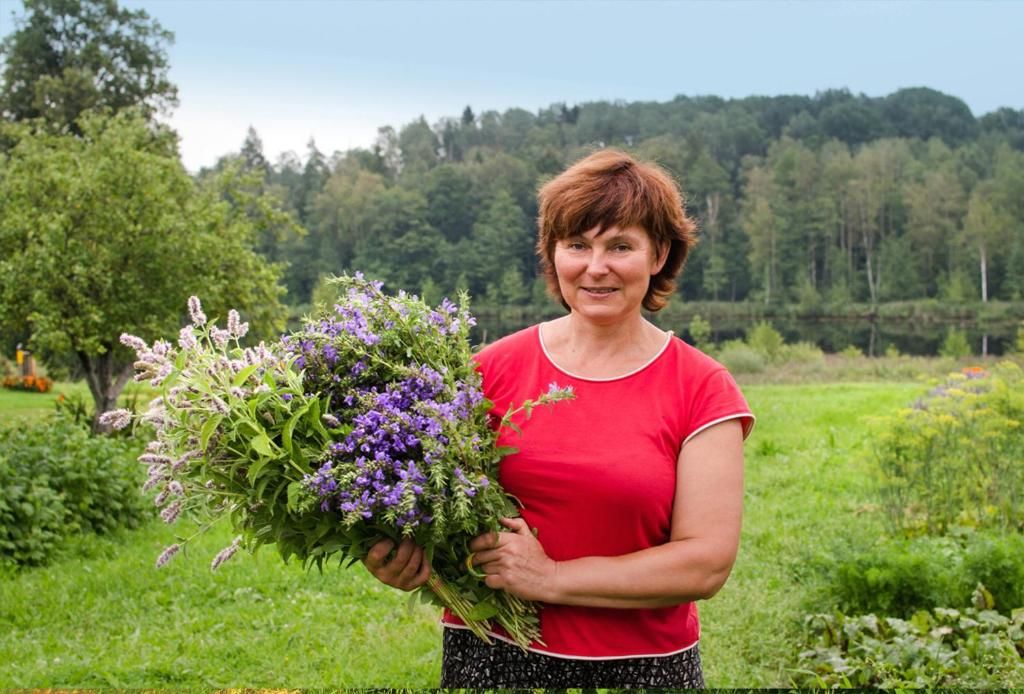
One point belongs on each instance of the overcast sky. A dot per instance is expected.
(336, 70)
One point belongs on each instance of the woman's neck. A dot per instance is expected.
(601, 351)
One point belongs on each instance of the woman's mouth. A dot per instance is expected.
(599, 291)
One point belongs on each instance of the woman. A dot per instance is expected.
(632, 492)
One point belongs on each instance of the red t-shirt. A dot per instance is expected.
(597, 475)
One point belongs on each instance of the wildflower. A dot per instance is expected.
(226, 553)
(187, 338)
(220, 337)
(133, 342)
(331, 421)
(195, 310)
(116, 419)
(236, 327)
(167, 554)
(171, 513)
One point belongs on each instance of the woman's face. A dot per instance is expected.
(604, 277)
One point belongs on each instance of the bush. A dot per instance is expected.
(903, 576)
(740, 358)
(766, 341)
(56, 479)
(955, 345)
(802, 353)
(954, 457)
(700, 333)
(941, 648)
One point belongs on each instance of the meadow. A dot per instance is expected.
(102, 615)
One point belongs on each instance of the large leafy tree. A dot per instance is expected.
(71, 56)
(106, 233)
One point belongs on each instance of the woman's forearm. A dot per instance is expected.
(677, 572)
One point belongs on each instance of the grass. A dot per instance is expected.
(21, 405)
(103, 616)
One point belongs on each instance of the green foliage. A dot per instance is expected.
(106, 233)
(851, 352)
(901, 576)
(939, 648)
(1019, 344)
(71, 56)
(766, 341)
(955, 345)
(700, 333)
(801, 353)
(55, 480)
(953, 458)
(740, 358)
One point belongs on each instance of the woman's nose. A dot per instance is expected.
(597, 263)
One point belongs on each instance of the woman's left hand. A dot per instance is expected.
(515, 561)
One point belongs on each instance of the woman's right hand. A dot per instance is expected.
(408, 568)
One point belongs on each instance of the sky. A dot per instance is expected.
(336, 70)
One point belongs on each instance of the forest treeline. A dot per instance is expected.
(820, 200)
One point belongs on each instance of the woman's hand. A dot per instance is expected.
(407, 570)
(515, 562)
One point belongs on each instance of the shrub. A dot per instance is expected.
(700, 333)
(955, 345)
(902, 576)
(954, 457)
(766, 340)
(57, 480)
(851, 352)
(941, 648)
(801, 353)
(740, 358)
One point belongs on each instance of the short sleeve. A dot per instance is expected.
(718, 399)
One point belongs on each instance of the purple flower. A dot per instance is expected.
(195, 310)
(133, 342)
(116, 419)
(167, 554)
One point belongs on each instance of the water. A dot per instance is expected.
(918, 338)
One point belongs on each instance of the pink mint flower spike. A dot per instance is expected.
(167, 554)
(186, 338)
(133, 342)
(116, 419)
(195, 310)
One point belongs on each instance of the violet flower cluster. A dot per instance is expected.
(368, 423)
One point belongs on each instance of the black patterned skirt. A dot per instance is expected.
(469, 662)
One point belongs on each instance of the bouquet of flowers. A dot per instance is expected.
(368, 423)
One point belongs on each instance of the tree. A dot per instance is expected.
(71, 56)
(106, 233)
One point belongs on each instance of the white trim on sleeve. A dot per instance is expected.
(739, 415)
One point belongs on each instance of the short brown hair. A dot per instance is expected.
(611, 189)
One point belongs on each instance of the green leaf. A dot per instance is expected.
(262, 445)
(255, 469)
(294, 490)
(289, 427)
(483, 610)
(244, 375)
(207, 431)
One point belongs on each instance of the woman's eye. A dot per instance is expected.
(576, 246)
(622, 247)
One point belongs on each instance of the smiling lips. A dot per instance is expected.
(599, 290)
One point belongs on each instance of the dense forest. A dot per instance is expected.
(820, 200)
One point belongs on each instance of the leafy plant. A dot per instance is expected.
(56, 479)
(955, 345)
(700, 331)
(766, 341)
(740, 358)
(901, 576)
(973, 647)
(954, 456)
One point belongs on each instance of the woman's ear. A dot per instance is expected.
(661, 256)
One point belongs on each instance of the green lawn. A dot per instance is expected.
(21, 405)
(104, 616)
